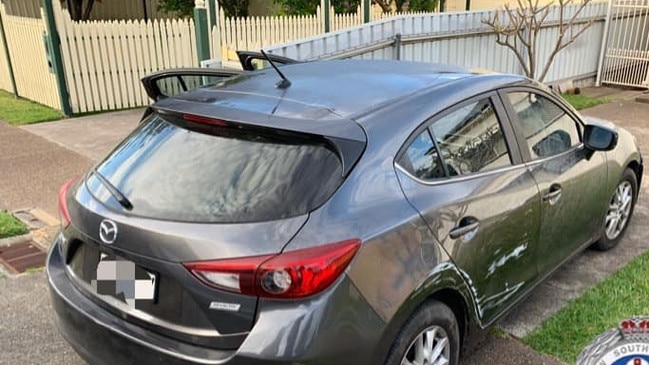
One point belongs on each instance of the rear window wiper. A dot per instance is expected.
(121, 199)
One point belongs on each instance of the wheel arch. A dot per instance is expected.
(451, 291)
(637, 168)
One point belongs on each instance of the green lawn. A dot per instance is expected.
(21, 111)
(10, 226)
(621, 296)
(582, 102)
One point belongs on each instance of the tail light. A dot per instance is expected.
(294, 274)
(64, 214)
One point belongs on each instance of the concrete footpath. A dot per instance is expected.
(35, 160)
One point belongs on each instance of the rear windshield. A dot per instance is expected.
(174, 170)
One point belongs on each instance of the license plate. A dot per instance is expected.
(124, 280)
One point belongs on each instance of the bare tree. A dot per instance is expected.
(386, 5)
(519, 32)
(80, 9)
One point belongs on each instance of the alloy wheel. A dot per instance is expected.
(430, 347)
(619, 210)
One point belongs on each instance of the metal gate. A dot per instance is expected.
(624, 57)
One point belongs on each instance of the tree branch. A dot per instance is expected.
(385, 5)
(86, 13)
(560, 44)
(523, 26)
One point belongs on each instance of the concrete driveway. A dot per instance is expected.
(41, 156)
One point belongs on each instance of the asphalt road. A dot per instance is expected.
(27, 331)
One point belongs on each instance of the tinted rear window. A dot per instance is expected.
(198, 173)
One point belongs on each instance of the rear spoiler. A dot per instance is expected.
(247, 57)
(172, 82)
(176, 78)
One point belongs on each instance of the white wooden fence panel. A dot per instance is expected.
(253, 33)
(28, 55)
(105, 60)
(5, 77)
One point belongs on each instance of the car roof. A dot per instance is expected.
(346, 87)
(329, 93)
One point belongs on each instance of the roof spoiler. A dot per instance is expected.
(247, 57)
(172, 82)
(162, 84)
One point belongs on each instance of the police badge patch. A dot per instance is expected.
(626, 345)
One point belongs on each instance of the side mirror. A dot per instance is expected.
(599, 138)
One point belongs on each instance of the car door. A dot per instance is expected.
(463, 172)
(571, 179)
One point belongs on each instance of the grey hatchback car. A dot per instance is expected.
(357, 212)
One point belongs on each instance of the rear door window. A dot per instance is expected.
(471, 140)
(421, 158)
(176, 170)
(466, 140)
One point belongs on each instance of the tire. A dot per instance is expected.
(432, 320)
(610, 238)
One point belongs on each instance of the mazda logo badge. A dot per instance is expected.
(107, 231)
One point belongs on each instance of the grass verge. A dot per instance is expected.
(18, 111)
(621, 296)
(10, 226)
(583, 102)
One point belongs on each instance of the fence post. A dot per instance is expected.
(211, 7)
(12, 77)
(602, 50)
(54, 43)
(202, 31)
(367, 7)
(325, 5)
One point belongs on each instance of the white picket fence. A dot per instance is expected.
(27, 52)
(105, 60)
(253, 33)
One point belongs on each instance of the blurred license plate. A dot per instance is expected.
(124, 280)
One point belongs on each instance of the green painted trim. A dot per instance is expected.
(202, 34)
(8, 56)
(212, 15)
(327, 15)
(367, 6)
(54, 43)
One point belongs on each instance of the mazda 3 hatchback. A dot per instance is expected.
(335, 212)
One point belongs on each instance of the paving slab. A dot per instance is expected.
(91, 136)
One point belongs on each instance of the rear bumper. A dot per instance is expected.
(102, 338)
(295, 334)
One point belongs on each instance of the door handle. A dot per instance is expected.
(466, 225)
(553, 195)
